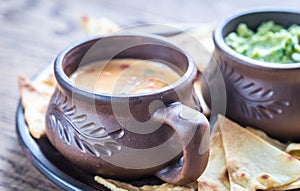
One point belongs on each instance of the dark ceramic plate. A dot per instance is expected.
(54, 166)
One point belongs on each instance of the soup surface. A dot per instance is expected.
(124, 76)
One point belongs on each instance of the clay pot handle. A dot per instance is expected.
(192, 128)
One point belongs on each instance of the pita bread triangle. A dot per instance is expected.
(115, 185)
(253, 163)
(294, 150)
(215, 176)
(265, 137)
(35, 104)
(35, 98)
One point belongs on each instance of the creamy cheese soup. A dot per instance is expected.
(124, 76)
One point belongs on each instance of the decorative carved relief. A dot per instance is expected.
(255, 100)
(71, 126)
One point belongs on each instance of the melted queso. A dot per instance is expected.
(124, 76)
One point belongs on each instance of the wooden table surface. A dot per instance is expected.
(32, 32)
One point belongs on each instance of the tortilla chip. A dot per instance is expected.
(35, 98)
(115, 185)
(98, 26)
(291, 186)
(294, 150)
(198, 43)
(167, 187)
(215, 176)
(253, 163)
(265, 137)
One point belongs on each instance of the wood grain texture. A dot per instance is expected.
(32, 32)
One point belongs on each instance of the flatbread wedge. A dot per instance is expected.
(215, 176)
(93, 26)
(115, 185)
(291, 186)
(35, 98)
(264, 136)
(253, 163)
(294, 150)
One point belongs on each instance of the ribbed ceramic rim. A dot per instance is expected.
(220, 42)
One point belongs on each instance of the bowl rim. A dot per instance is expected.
(65, 82)
(220, 42)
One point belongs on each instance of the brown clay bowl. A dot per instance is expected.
(259, 94)
(129, 136)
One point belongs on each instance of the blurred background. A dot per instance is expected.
(36, 30)
(33, 32)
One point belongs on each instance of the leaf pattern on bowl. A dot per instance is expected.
(255, 100)
(71, 126)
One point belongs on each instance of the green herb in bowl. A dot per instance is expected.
(270, 43)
